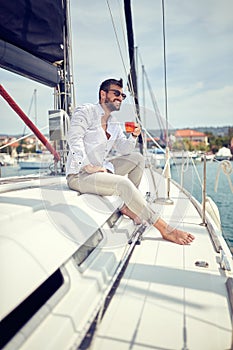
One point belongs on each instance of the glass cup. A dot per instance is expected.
(129, 127)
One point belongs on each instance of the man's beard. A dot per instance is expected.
(111, 106)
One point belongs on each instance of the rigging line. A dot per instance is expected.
(155, 105)
(21, 138)
(165, 70)
(195, 169)
(117, 39)
(144, 108)
(153, 140)
(29, 111)
(143, 95)
(129, 75)
(135, 95)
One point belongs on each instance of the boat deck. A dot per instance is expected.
(166, 301)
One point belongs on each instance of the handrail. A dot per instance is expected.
(204, 194)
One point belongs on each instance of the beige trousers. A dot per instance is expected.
(107, 184)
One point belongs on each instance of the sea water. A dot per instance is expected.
(218, 186)
(8, 171)
(192, 180)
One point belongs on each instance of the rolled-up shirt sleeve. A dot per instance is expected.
(78, 126)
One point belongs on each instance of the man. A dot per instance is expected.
(93, 133)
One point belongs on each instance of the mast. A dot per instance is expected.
(65, 86)
(132, 79)
(64, 93)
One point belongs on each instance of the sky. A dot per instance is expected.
(199, 54)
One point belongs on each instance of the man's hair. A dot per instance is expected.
(105, 85)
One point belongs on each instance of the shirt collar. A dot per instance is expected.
(100, 109)
(101, 112)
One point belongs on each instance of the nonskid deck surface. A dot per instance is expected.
(166, 301)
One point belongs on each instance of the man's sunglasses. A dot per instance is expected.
(117, 93)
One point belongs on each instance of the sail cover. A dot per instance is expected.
(32, 30)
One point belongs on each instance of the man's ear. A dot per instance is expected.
(102, 95)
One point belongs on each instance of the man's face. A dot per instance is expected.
(113, 98)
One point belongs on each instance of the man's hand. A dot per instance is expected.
(137, 130)
(91, 169)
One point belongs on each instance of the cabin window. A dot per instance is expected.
(87, 248)
(13, 322)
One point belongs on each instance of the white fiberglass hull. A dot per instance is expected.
(77, 248)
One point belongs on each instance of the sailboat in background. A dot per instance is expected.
(38, 160)
(75, 273)
(224, 153)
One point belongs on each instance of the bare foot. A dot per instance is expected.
(172, 234)
(178, 236)
(126, 211)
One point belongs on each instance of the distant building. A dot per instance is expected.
(150, 143)
(3, 139)
(192, 135)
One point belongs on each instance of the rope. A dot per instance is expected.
(226, 168)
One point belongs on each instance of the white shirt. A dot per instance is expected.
(88, 142)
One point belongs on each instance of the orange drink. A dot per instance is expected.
(129, 127)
